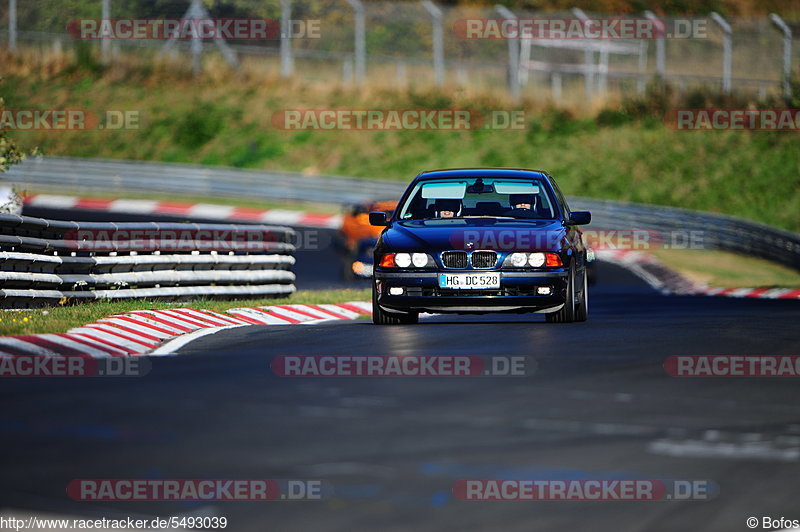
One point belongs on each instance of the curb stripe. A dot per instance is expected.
(191, 323)
(354, 308)
(300, 311)
(80, 348)
(274, 318)
(143, 332)
(195, 210)
(173, 323)
(630, 260)
(262, 318)
(317, 312)
(115, 350)
(138, 328)
(51, 347)
(125, 333)
(113, 336)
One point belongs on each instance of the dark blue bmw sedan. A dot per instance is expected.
(472, 241)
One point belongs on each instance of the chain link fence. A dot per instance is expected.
(415, 44)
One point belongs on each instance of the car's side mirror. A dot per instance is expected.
(377, 218)
(580, 217)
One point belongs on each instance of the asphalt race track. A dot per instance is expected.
(388, 450)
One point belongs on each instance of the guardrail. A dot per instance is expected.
(709, 230)
(197, 180)
(718, 231)
(44, 261)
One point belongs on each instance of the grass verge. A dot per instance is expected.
(728, 270)
(61, 319)
(629, 153)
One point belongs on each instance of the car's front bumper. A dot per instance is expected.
(517, 292)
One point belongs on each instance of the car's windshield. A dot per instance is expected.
(465, 197)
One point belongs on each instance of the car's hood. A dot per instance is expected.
(475, 234)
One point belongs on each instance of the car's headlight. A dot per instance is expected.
(403, 260)
(534, 260)
(516, 260)
(420, 260)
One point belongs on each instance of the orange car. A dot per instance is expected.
(358, 237)
(355, 222)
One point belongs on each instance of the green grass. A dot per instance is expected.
(226, 121)
(61, 319)
(728, 270)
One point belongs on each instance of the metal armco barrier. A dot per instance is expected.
(713, 231)
(196, 180)
(718, 231)
(43, 261)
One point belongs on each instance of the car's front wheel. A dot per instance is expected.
(576, 304)
(381, 317)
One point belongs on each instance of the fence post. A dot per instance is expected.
(347, 69)
(588, 59)
(286, 38)
(555, 86)
(400, 72)
(602, 78)
(660, 52)
(726, 51)
(642, 64)
(105, 44)
(197, 52)
(438, 41)
(360, 38)
(787, 52)
(12, 25)
(513, 54)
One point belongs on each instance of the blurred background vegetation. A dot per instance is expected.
(52, 13)
(622, 150)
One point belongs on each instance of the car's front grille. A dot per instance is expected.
(454, 259)
(484, 259)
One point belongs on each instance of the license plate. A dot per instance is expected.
(469, 280)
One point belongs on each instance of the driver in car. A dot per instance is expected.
(447, 208)
(522, 205)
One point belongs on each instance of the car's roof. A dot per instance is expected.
(481, 172)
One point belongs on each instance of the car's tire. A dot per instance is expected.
(381, 317)
(568, 312)
(582, 313)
